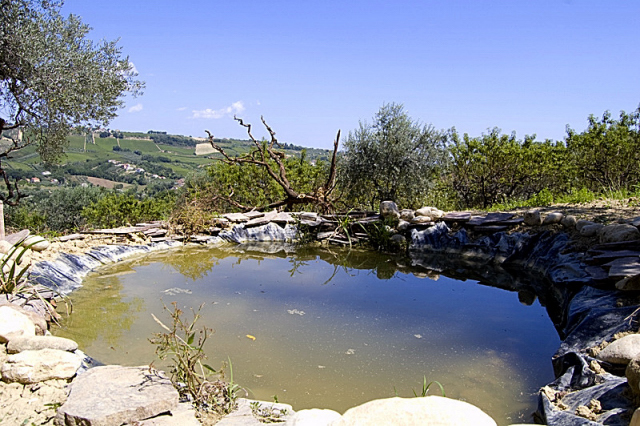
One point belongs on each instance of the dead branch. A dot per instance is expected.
(272, 161)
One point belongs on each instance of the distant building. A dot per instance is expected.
(34, 180)
(46, 173)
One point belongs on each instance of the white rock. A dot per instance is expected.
(14, 323)
(313, 417)
(621, 351)
(421, 219)
(38, 366)
(432, 212)
(36, 243)
(407, 214)
(427, 411)
(5, 246)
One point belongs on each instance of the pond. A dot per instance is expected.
(326, 328)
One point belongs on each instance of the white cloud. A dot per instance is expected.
(234, 108)
(136, 108)
(181, 109)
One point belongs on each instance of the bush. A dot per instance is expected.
(115, 209)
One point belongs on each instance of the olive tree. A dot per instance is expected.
(53, 78)
(393, 158)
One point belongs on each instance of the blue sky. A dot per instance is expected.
(312, 68)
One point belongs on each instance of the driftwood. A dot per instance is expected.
(268, 157)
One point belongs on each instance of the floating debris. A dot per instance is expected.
(350, 351)
(249, 336)
(295, 312)
(418, 336)
(176, 290)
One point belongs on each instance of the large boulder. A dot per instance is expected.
(427, 411)
(38, 320)
(552, 218)
(115, 395)
(38, 366)
(621, 351)
(313, 417)
(432, 212)
(14, 323)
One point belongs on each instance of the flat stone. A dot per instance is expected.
(497, 217)
(624, 267)
(14, 323)
(38, 366)
(621, 351)
(183, 415)
(582, 223)
(253, 214)
(115, 395)
(427, 411)
(236, 217)
(457, 217)
(283, 217)
(70, 237)
(35, 343)
(618, 233)
(14, 239)
(490, 228)
(261, 220)
(407, 214)
(421, 219)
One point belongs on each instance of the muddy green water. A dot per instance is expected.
(333, 328)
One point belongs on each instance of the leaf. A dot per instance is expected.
(208, 367)
(190, 339)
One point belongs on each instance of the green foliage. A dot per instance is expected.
(425, 387)
(54, 77)
(268, 414)
(496, 167)
(394, 158)
(13, 277)
(183, 344)
(115, 209)
(606, 155)
(56, 210)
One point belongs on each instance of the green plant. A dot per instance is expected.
(13, 278)
(425, 387)
(380, 234)
(195, 380)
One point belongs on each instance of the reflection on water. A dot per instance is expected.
(333, 328)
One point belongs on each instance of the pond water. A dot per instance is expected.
(333, 328)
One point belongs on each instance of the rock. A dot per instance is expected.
(633, 375)
(585, 412)
(114, 395)
(38, 366)
(591, 230)
(5, 247)
(532, 218)
(314, 417)
(421, 220)
(629, 283)
(35, 343)
(31, 404)
(553, 218)
(569, 221)
(399, 241)
(403, 225)
(14, 239)
(14, 323)
(582, 223)
(183, 415)
(243, 415)
(407, 214)
(36, 243)
(621, 351)
(427, 411)
(38, 320)
(635, 420)
(618, 232)
(389, 209)
(432, 212)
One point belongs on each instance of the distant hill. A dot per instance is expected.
(133, 158)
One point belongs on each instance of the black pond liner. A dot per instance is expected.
(583, 314)
(538, 265)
